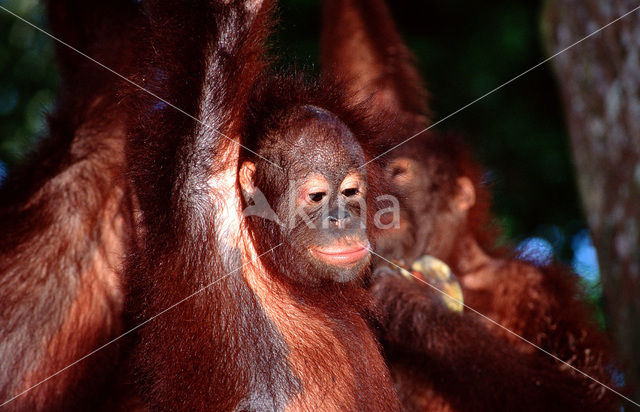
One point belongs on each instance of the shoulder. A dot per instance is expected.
(514, 277)
(526, 294)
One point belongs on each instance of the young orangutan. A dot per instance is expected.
(441, 191)
(443, 359)
(275, 314)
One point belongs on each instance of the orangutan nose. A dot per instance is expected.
(338, 218)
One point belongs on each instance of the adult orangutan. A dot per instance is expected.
(66, 217)
(442, 359)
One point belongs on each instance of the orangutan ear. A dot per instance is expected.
(246, 176)
(466, 196)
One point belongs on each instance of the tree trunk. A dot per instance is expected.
(600, 84)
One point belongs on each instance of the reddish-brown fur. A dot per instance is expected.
(441, 360)
(254, 339)
(66, 218)
(542, 304)
(250, 340)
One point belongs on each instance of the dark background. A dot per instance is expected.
(464, 49)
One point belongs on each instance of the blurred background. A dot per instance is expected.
(518, 133)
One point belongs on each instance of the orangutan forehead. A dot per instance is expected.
(319, 134)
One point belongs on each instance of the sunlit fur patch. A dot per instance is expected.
(225, 194)
(317, 356)
(91, 311)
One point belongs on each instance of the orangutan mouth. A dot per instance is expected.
(341, 254)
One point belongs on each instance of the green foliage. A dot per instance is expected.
(29, 80)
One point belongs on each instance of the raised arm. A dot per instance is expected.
(183, 155)
(361, 44)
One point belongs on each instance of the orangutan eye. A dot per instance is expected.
(316, 196)
(397, 171)
(352, 191)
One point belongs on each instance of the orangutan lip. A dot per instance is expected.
(341, 254)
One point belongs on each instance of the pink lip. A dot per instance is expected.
(341, 255)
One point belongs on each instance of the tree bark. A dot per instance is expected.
(600, 84)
